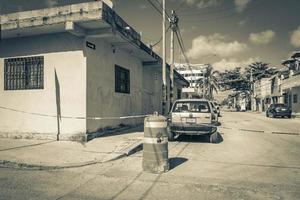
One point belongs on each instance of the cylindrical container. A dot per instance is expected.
(155, 146)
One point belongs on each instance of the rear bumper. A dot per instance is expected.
(193, 129)
(287, 113)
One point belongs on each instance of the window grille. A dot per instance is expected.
(122, 80)
(24, 73)
(295, 98)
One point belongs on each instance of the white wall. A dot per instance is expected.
(102, 100)
(152, 91)
(63, 53)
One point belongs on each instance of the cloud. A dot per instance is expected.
(203, 3)
(295, 37)
(241, 5)
(242, 22)
(51, 3)
(214, 45)
(143, 7)
(264, 37)
(229, 64)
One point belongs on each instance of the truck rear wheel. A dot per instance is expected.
(214, 137)
(171, 135)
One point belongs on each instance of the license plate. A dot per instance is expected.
(190, 120)
(283, 109)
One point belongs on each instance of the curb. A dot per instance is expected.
(18, 165)
(263, 131)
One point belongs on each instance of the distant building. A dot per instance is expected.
(290, 85)
(192, 73)
(262, 94)
(283, 87)
(64, 70)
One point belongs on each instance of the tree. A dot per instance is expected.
(209, 83)
(233, 80)
(241, 82)
(259, 70)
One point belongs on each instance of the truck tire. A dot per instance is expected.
(214, 137)
(171, 135)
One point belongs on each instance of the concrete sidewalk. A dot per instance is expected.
(47, 154)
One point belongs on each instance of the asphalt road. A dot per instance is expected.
(257, 159)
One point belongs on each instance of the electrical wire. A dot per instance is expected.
(154, 6)
(160, 38)
(183, 50)
(158, 10)
(163, 9)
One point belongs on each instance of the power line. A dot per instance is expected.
(181, 45)
(160, 38)
(163, 8)
(183, 50)
(154, 6)
(157, 9)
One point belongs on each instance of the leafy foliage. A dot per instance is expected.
(209, 83)
(241, 81)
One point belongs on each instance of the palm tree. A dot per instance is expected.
(209, 83)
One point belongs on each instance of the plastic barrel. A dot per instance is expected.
(155, 145)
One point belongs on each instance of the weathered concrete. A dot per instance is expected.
(246, 165)
(51, 154)
(71, 73)
(85, 73)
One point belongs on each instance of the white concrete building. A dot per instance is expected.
(290, 86)
(192, 73)
(61, 67)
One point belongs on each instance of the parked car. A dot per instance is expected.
(193, 117)
(279, 109)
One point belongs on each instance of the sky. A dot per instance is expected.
(224, 33)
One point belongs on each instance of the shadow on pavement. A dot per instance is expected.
(122, 131)
(176, 161)
(199, 138)
(25, 146)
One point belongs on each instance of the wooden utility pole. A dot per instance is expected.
(173, 25)
(164, 85)
(251, 89)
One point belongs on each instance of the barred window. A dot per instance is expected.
(24, 73)
(122, 80)
(295, 98)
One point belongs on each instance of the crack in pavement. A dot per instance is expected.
(90, 179)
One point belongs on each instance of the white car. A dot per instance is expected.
(193, 117)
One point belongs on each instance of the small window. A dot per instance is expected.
(24, 73)
(295, 98)
(122, 80)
